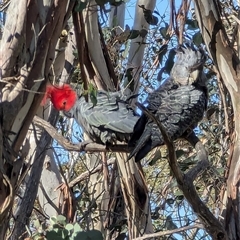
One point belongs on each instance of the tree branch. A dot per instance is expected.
(169, 232)
(185, 181)
(86, 174)
(172, 155)
(86, 146)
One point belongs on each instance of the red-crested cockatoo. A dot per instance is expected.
(179, 104)
(110, 120)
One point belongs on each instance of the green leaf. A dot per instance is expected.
(116, 3)
(101, 2)
(170, 225)
(180, 197)
(179, 153)
(37, 223)
(163, 31)
(57, 228)
(69, 227)
(197, 38)
(129, 77)
(192, 24)
(53, 220)
(143, 33)
(65, 234)
(80, 236)
(123, 37)
(221, 170)
(156, 13)
(61, 220)
(80, 6)
(52, 235)
(155, 216)
(95, 234)
(148, 15)
(170, 201)
(77, 227)
(134, 34)
(153, 20)
(92, 94)
(89, 235)
(93, 98)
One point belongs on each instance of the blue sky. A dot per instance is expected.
(162, 8)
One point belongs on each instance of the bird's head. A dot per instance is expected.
(63, 97)
(188, 67)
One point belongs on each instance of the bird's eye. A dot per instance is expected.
(64, 103)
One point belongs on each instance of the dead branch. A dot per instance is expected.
(86, 174)
(86, 146)
(169, 232)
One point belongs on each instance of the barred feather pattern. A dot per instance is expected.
(179, 104)
(110, 120)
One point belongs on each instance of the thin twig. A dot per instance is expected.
(169, 232)
(87, 174)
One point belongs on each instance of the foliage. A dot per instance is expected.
(80, 6)
(59, 229)
(149, 17)
(169, 209)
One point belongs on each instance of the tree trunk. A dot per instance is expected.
(24, 210)
(98, 68)
(30, 40)
(224, 57)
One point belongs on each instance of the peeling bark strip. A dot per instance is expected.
(97, 71)
(27, 52)
(13, 39)
(44, 54)
(209, 18)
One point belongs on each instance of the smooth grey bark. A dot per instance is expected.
(209, 15)
(25, 208)
(27, 53)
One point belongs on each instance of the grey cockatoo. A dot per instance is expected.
(179, 103)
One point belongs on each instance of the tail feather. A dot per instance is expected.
(150, 139)
(144, 150)
(145, 138)
(138, 131)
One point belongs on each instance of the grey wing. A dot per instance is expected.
(178, 111)
(182, 110)
(154, 99)
(110, 113)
